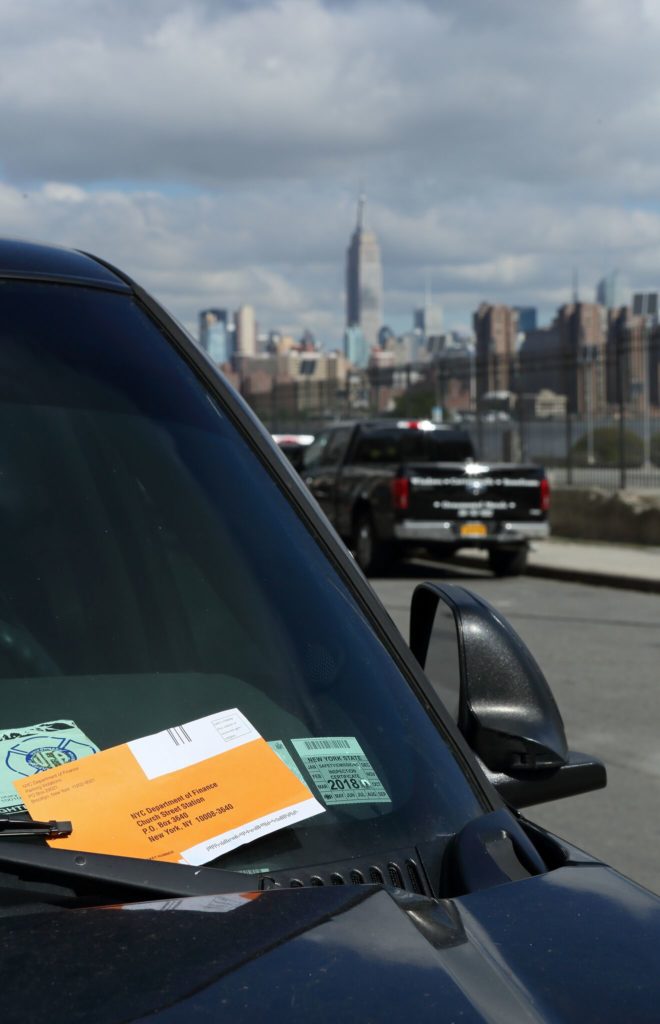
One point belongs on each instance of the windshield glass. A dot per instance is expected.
(413, 446)
(153, 573)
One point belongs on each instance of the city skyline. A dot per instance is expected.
(219, 334)
(365, 326)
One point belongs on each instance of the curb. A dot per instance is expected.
(589, 577)
(595, 578)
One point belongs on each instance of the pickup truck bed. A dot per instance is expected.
(389, 487)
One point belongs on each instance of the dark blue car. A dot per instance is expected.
(160, 562)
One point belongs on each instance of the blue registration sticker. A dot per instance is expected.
(30, 749)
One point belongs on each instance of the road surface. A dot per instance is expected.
(600, 651)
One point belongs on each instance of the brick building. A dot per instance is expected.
(496, 330)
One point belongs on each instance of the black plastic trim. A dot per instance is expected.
(582, 773)
(38, 277)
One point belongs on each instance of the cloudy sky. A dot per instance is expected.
(214, 149)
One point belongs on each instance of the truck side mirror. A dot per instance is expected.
(498, 696)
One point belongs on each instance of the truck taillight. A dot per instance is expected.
(400, 488)
(544, 500)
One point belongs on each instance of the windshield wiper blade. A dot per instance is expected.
(47, 829)
(126, 876)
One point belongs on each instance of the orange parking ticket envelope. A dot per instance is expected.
(190, 793)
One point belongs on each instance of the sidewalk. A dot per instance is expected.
(626, 566)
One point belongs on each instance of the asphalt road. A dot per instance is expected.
(600, 651)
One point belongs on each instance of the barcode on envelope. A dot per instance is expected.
(178, 735)
(331, 743)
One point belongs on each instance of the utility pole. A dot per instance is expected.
(622, 425)
(646, 383)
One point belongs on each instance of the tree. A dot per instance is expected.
(417, 402)
(606, 448)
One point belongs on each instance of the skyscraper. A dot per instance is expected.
(428, 320)
(364, 280)
(356, 349)
(216, 334)
(647, 304)
(495, 328)
(246, 332)
(609, 292)
(582, 330)
(526, 318)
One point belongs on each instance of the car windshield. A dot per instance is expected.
(153, 573)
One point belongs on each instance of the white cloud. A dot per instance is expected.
(213, 150)
(61, 193)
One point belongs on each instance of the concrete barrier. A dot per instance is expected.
(593, 513)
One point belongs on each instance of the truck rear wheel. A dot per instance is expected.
(371, 553)
(508, 561)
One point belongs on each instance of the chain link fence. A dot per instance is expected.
(592, 417)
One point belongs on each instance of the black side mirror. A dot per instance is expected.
(498, 696)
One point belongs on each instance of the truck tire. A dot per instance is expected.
(508, 561)
(371, 554)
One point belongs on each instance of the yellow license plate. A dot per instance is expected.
(473, 530)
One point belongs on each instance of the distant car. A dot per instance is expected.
(293, 446)
(161, 565)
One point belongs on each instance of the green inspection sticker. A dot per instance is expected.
(29, 749)
(284, 755)
(340, 770)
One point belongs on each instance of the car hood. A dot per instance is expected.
(579, 943)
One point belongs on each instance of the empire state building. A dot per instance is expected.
(364, 281)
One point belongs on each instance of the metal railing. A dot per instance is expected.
(591, 416)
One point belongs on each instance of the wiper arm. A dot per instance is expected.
(23, 827)
(90, 871)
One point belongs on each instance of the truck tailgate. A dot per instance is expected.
(474, 493)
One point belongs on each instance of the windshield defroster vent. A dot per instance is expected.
(402, 870)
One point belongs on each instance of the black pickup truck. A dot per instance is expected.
(389, 486)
